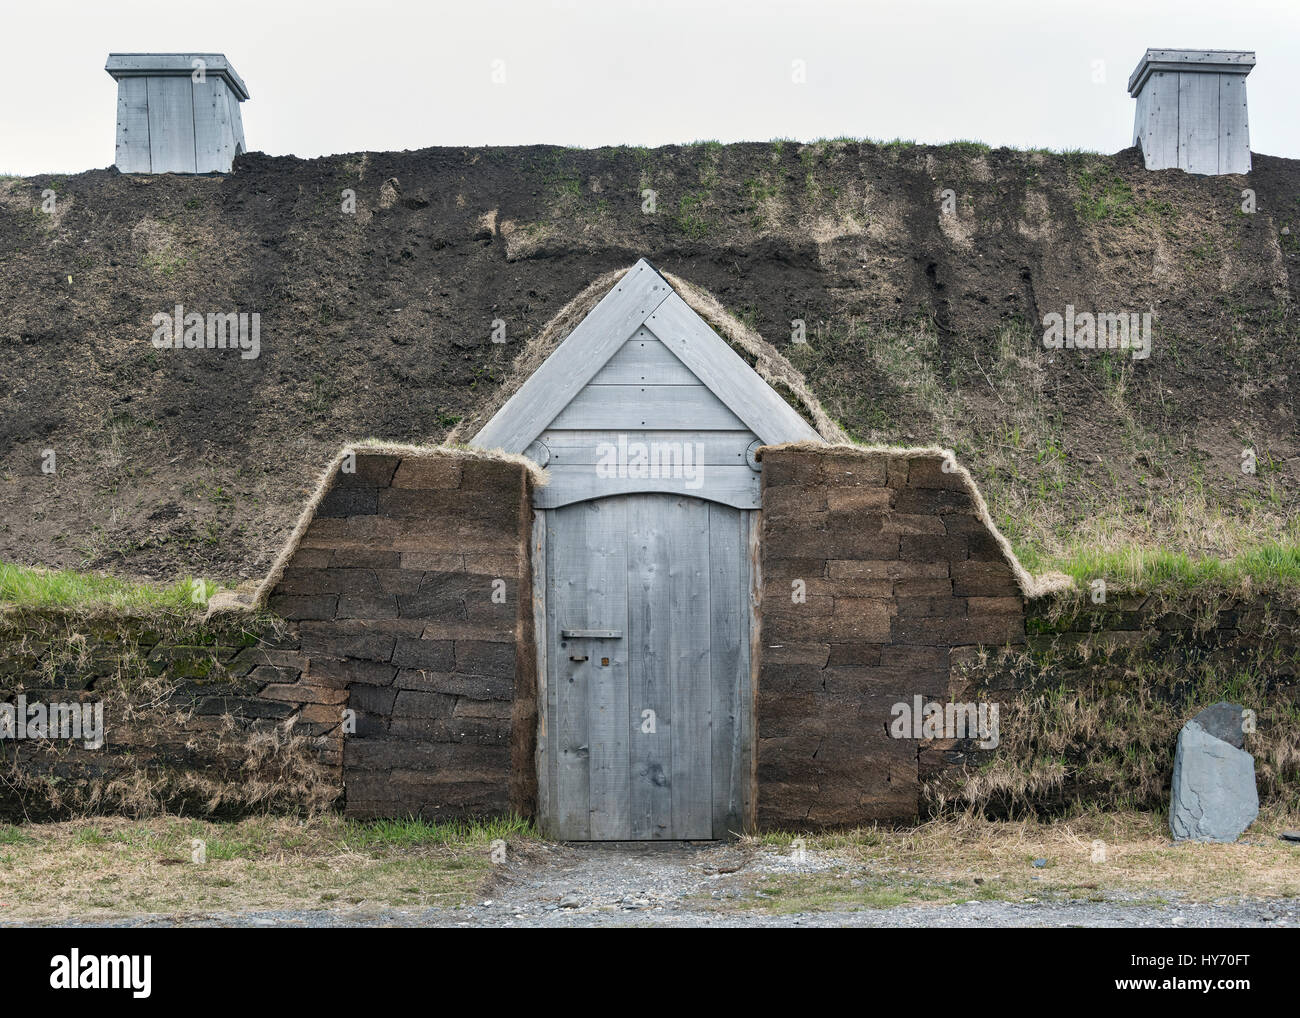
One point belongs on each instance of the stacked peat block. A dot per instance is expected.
(874, 568)
(1211, 630)
(410, 593)
(183, 706)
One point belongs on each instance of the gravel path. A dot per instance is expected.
(720, 886)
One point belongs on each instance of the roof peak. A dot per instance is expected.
(641, 297)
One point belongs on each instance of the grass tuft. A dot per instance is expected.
(23, 587)
(416, 831)
(100, 867)
(1136, 568)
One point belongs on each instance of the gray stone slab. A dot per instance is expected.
(1214, 797)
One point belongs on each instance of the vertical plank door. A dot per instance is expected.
(568, 766)
(647, 664)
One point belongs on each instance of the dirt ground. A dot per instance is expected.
(377, 324)
(1120, 870)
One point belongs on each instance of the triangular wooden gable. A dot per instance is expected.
(642, 302)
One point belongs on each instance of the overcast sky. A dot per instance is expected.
(328, 76)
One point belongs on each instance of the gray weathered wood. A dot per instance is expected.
(132, 126)
(729, 649)
(1212, 61)
(575, 361)
(558, 394)
(650, 669)
(717, 448)
(735, 486)
(1160, 144)
(542, 641)
(720, 368)
(214, 141)
(686, 520)
(1234, 127)
(644, 359)
(174, 119)
(1191, 109)
(627, 407)
(1198, 123)
(237, 128)
(605, 670)
(652, 593)
(643, 375)
(566, 593)
(171, 125)
(749, 703)
(179, 65)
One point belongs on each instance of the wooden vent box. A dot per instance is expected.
(1191, 110)
(177, 112)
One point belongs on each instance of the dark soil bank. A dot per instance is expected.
(378, 323)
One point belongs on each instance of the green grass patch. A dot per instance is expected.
(1271, 567)
(23, 587)
(690, 216)
(841, 892)
(1104, 195)
(11, 835)
(415, 831)
(965, 147)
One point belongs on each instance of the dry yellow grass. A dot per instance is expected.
(1124, 855)
(94, 869)
(98, 869)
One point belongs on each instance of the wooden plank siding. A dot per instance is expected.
(615, 341)
(171, 121)
(214, 140)
(736, 486)
(685, 522)
(1160, 145)
(625, 407)
(1234, 128)
(544, 761)
(666, 581)
(650, 648)
(237, 129)
(1191, 110)
(605, 670)
(644, 359)
(132, 153)
(729, 589)
(1198, 123)
(171, 125)
(567, 600)
(717, 448)
(575, 361)
(721, 369)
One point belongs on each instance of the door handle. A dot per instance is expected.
(574, 657)
(591, 634)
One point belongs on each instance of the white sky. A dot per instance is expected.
(328, 76)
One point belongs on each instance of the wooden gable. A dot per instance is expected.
(644, 396)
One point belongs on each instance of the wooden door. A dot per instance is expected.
(647, 731)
